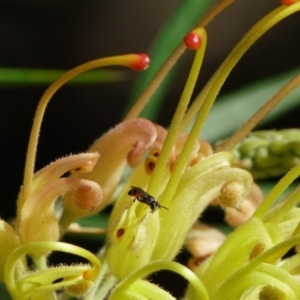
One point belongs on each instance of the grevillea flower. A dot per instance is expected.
(174, 176)
(38, 226)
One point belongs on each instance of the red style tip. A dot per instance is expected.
(288, 2)
(193, 41)
(141, 63)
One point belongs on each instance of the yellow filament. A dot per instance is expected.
(212, 88)
(277, 190)
(170, 62)
(217, 81)
(178, 116)
(124, 60)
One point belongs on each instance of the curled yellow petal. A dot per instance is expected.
(8, 242)
(37, 221)
(125, 143)
(73, 163)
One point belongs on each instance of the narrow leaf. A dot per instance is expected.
(24, 76)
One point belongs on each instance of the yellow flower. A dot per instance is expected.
(174, 177)
(38, 225)
(247, 264)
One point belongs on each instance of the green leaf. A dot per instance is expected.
(183, 20)
(3, 292)
(99, 220)
(20, 76)
(233, 109)
(96, 221)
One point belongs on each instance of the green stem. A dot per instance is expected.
(106, 286)
(40, 261)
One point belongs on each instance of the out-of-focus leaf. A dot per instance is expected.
(99, 220)
(224, 227)
(184, 18)
(233, 109)
(3, 292)
(20, 76)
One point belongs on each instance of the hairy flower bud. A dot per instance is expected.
(8, 242)
(131, 241)
(85, 199)
(232, 194)
(80, 289)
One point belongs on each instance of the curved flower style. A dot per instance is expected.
(124, 144)
(39, 226)
(174, 177)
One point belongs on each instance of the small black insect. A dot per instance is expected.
(144, 197)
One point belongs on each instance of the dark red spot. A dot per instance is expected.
(192, 41)
(151, 166)
(141, 63)
(156, 154)
(120, 232)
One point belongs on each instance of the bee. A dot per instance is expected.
(140, 195)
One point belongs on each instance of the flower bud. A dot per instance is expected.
(203, 240)
(84, 200)
(232, 194)
(8, 243)
(131, 241)
(235, 217)
(80, 289)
